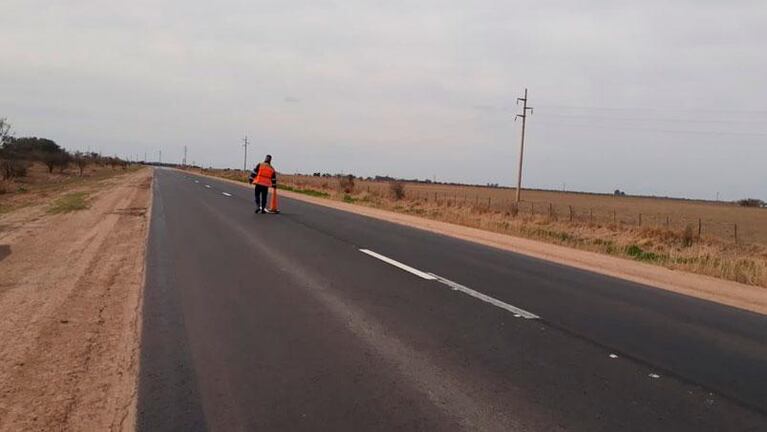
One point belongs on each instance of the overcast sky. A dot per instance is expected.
(652, 97)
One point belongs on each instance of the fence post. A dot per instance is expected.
(640, 219)
(700, 226)
(551, 211)
(615, 219)
(736, 233)
(571, 212)
(667, 222)
(591, 216)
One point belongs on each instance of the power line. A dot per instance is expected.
(651, 119)
(646, 129)
(656, 109)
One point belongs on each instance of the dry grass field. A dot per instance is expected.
(695, 236)
(716, 219)
(39, 184)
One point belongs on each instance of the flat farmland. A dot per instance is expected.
(715, 219)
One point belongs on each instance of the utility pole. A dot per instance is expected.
(245, 146)
(522, 142)
(159, 156)
(184, 162)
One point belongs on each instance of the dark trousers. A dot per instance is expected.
(261, 194)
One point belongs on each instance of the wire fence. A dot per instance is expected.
(502, 201)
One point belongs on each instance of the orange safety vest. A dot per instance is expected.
(264, 175)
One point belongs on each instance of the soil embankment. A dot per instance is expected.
(70, 298)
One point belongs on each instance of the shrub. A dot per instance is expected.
(347, 184)
(13, 168)
(397, 189)
(687, 236)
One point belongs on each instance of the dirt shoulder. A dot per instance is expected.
(747, 297)
(70, 297)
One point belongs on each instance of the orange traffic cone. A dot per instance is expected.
(273, 203)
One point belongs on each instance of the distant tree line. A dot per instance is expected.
(752, 202)
(17, 154)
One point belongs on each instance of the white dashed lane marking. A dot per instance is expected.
(518, 313)
(398, 264)
(226, 194)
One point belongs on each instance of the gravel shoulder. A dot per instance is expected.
(70, 298)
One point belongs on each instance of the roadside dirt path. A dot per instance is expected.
(70, 298)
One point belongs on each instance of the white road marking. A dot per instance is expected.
(207, 186)
(227, 194)
(454, 285)
(196, 181)
(486, 298)
(613, 356)
(652, 375)
(398, 264)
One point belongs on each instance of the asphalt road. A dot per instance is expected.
(317, 319)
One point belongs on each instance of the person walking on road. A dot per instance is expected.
(263, 177)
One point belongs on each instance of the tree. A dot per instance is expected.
(81, 160)
(5, 130)
(11, 164)
(751, 202)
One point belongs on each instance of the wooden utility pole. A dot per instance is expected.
(184, 162)
(522, 141)
(245, 160)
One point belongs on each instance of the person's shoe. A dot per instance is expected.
(257, 211)
(263, 210)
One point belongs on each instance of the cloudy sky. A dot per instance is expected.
(652, 97)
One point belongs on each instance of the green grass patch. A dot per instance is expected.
(310, 192)
(608, 246)
(69, 203)
(349, 199)
(638, 254)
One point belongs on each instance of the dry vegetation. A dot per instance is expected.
(668, 234)
(41, 185)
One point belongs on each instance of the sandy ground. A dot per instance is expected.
(70, 298)
(752, 298)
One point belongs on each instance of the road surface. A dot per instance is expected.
(318, 319)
